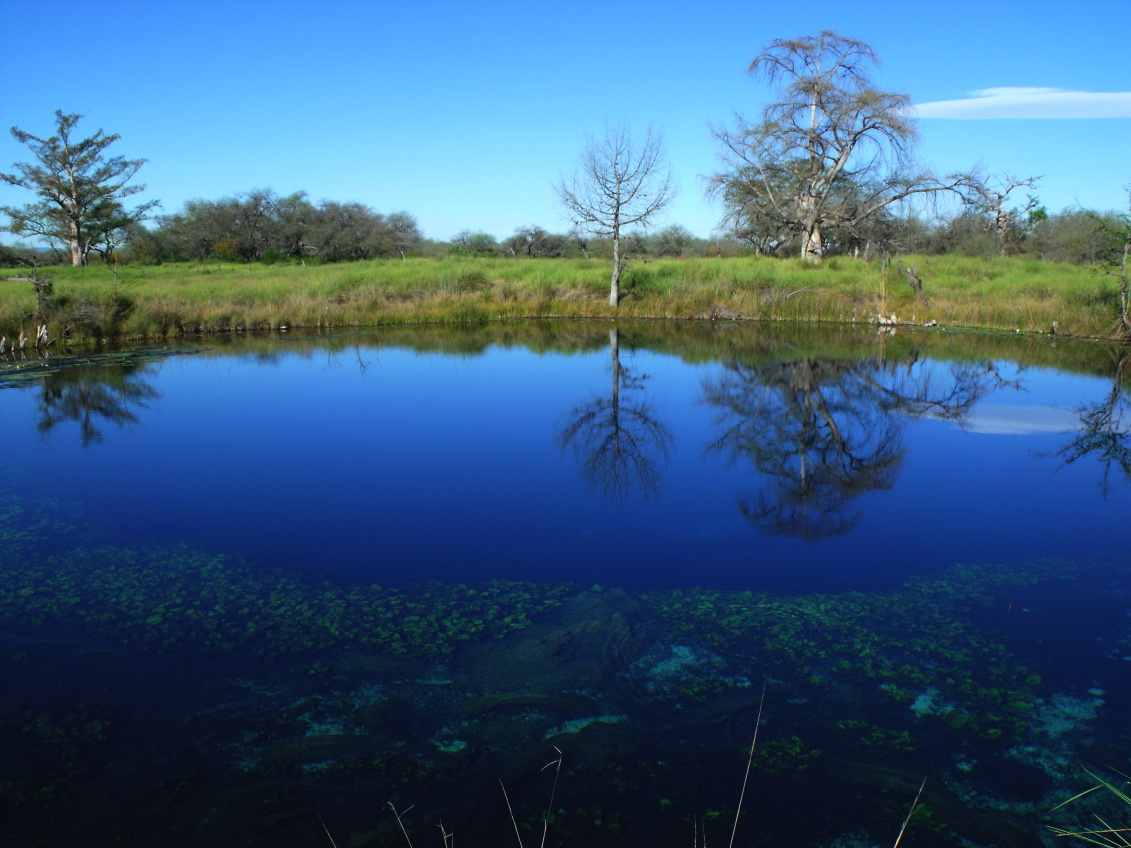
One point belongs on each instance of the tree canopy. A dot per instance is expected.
(80, 190)
(260, 225)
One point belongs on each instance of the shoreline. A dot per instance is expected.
(146, 303)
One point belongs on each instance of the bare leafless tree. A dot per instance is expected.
(617, 184)
(828, 153)
(994, 194)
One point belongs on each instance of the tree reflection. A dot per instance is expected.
(618, 443)
(826, 431)
(1105, 427)
(89, 396)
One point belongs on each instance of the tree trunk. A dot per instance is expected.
(78, 254)
(812, 249)
(1125, 293)
(614, 287)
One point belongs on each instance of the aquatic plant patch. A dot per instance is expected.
(920, 647)
(178, 599)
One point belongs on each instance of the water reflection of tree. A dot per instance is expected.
(618, 443)
(1105, 427)
(89, 396)
(826, 431)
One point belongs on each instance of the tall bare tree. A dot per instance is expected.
(829, 151)
(80, 189)
(617, 184)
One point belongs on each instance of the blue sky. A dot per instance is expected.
(464, 114)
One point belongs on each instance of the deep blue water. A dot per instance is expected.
(188, 541)
(394, 466)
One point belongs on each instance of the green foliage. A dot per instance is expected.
(80, 189)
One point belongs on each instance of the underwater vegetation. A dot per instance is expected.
(272, 697)
(50, 748)
(25, 524)
(179, 599)
(175, 598)
(925, 647)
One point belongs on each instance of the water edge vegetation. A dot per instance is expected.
(1009, 294)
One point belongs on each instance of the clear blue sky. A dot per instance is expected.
(465, 113)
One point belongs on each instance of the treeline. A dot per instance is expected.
(261, 226)
(533, 241)
(1074, 235)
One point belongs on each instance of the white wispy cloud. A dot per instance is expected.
(1017, 102)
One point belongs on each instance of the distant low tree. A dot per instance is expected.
(579, 239)
(260, 225)
(618, 184)
(966, 234)
(295, 219)
(474, 243)
(80, 187)
(404, 233)
(533, 241)
(672, 241)
(723, 244)
(1074, 235)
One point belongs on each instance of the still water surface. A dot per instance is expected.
(249, 583)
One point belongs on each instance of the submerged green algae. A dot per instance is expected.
(926, 646)
(177, 598)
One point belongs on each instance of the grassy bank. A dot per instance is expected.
(130, 301)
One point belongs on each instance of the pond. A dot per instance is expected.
(279, 590)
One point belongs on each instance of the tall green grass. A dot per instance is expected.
(1000, 293)
(1102, 831)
